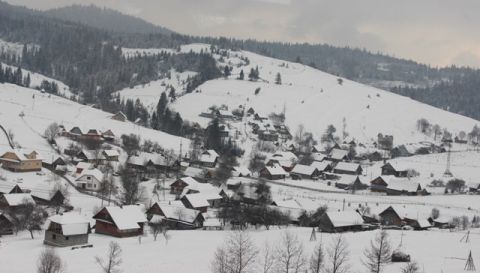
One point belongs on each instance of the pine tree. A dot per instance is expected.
(214, 140)
(242, 75)
(226, 71)
(278, 79)
(27, 81)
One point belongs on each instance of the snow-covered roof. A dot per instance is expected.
(244, 171)
(192, 171)
(72, 223)
(6, 186)
(84, 165)
(179, 213)
(347, 166)
(209, 156)
(96, 173)
(197, 200)
(291, 203)
(321, 166)
(318, 156)
(303, 169)
(17, 199)
(338, 154)
(345, 218)
(127, 217)
(399, 166)
(276, 169)
(143, 158)
(111, 153)
(399, 184)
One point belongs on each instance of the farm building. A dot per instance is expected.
(119, 116)
(342, 221)
(405, 187)
(285, 159)
(47, 197)
(351, 182)
(75, 133)
(180, 184)
(111, 155)
(337, 155)
(18, 162)
(392, 216)
(396, 169)
(68, 229)
(126, 221)
(208, 159)
(379, 184)
(197, 201)
(51, 161)
(323, 166)
(108, 135)
(348, 168)
(175, 216)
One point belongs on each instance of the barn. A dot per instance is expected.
(175, 216)
(348, 168)
(125, 221)
(342, 221)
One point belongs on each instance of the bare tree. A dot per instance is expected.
(113, 260)
(237, 255)
(338, 256)
(268, 259)
(411, 268)
(29, 217)
(290, 257)
(317, 259)
(51, 132)
(49, 262)
(379, 254)
(157, 227)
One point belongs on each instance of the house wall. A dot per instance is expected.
(90, 182)
(57, 239)
(390, 218)
(102, 227)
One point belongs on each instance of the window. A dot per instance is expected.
(66, 238)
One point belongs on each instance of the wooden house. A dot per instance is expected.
(323, 166)
(417, 223)
(342, 221)
(392, 217)
(75, 133)
(9, 187)
(305, 172)
(273, 172)
(197, 201)
(111, 155)
(250, 111)
(91, 156)
(119, 116)
(351, 182)
(47, 198)
(126, 221)
(405, 187)
(52, 161)
(81, 166)
(240, 171)
(92, 135)
(379, 184)
(180, 184)
(176, 216)
(348, 168)
(7, 224)
(15, 200)
(209, 159)
(90, 180)
(286, 160)
(268, 135)
(67, 229)
(18, 162)
(108, 135)
(394, 168)
(337, 155)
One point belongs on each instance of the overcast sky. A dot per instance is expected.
(438, 32)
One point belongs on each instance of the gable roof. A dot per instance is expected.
(209, 156)
(111, 153)
(338, 154)
(126, 217)
(179, 213)
(275, 169)
(72, 223)
(304, 169)
(345, 218)
(197, 200)
(84, 165)
(347, 166)
(96, 173)
(321, 166)
(403, 185)
(17, 199)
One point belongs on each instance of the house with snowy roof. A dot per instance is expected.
(305, 172)
(348, 168)
(404, 186)
(197, 201)
(240, 171)
(209, 159)
(338, 155)
(273, 172)
(395, 168)
(16, 161)
(175, 216)
(47, 197)
(180, 184)
(111, 155)
(341, 221)
(90, 180)
(286, 160)
(15, 200)
(124, 221)
(120, 116)
(323, 166)
(67, 229)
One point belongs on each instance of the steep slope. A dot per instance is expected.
(317, 99)
(39, 110)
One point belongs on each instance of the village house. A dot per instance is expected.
(119, 116)
(417, 223)
(348, 168)
(90, 180)
(273, 172)
(199, 174)
(175, 216)
(91, 156)
(351, 182)
(250, 111)
(67, 229)
(286, 160)
(324, 166)
(7, 224)
(108, 136)
(379, 184)
(92, 135)
(304, 172)
(52, 162)
(342, 221)
(240, 171)
(111, 155)
(18, 162)
(260, 117)
(9, 187)
(81, 166)
(196, 201)
(399, 186)
(125, 221)
(247, 193)
(15, 200)
(75, 133)
(474, 187)
(209, 159)
(396, 169)
(268, 135)
(180, 184)
(392, 216)
(337, 155)
(46, 197)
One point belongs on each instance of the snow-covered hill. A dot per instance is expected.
(39, 110)
(317, 99)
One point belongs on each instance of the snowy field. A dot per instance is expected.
(40, 110)
(192, 251)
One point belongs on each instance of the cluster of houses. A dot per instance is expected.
(266, 129)
(92, 134)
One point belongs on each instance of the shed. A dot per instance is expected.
(342, 221)
(69, 229)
